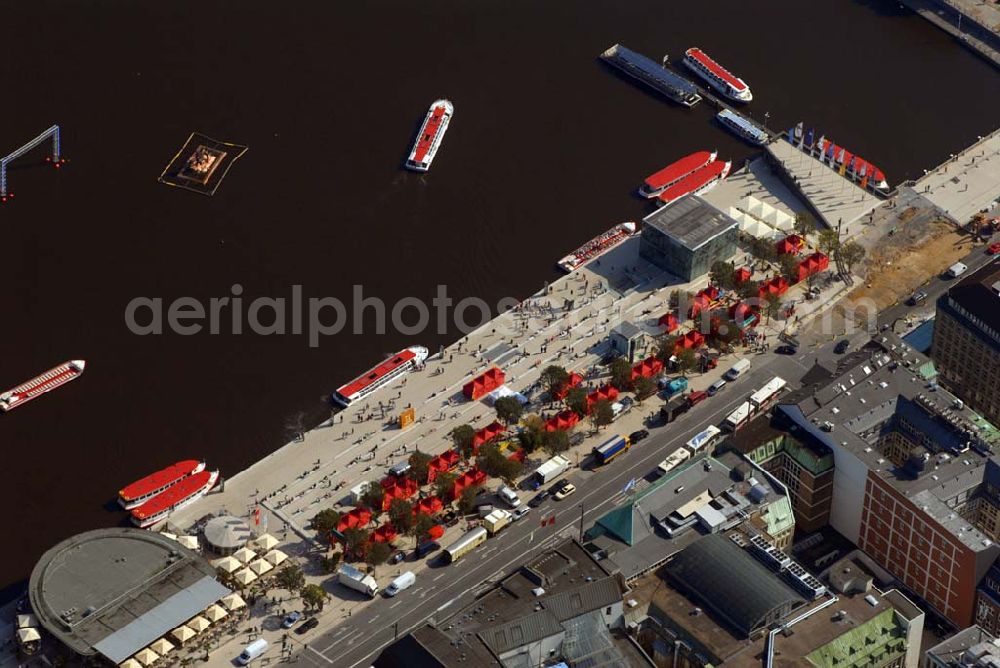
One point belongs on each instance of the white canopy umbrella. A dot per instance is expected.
(245, 577)
(198, 624)
(783, 221)
(162, 646)
(215, 612)
(260, 566)
(227, 564)
(266, 542)
(182, 634)
(244, 555)
(171, 536)
(129, 663)
(28, 635)
(233, 602)
(275, 557)
(190, 542)
(753, 205)
(27, 621)
(146, 656)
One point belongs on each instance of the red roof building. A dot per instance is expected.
(397, 488)
(484, 383)
(668, 321)
(742, 275)
(562, 421)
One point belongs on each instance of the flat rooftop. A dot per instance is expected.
(953, 650)
(691, 221)
(979, 295)
(889, 382)
(513, 613)
(93, 591)
(701, 496)
(734, 652)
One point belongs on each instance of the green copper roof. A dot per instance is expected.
(870, 644)
(779, 516)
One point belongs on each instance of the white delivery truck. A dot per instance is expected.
(496, 521)
(351, 577)
(404, 581)
(252, 651)
(735, 371)
(551, 469)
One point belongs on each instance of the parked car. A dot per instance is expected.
(565, 491)
(425, 548)
(917, 298)
(290, 619)
(539, 498)
(397, 557)
(697, 397)
(786, 350)
(993, 248)
(307, 625)
(842, 346)
(519, 513)
(637, 436)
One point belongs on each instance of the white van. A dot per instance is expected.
(957, 269)
(509, 495)
(735, 371)
(252, 651)
(404, 581)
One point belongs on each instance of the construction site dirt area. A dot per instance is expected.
(897, 266)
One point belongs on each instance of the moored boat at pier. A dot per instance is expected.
(184, 493)
(717, 76)
(144, 489)
(381, 375)
(697, 182)
(656, 183)
(597, 246)
(742, 127)
(46, 382)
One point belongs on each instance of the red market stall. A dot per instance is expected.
(489, 433)
(713, 293)
(668, 321)
(699, 303)
(484, 383)
(742, 275)
(470, 478)
(384, 534)
(574, 380)
(444, 462)
(790, 245)
(691, 340)
(397, 488)
(775, 286)
(562, 421)
(813, 264)
(435, 532)
(358, 517)
(647, 368)
(428, 506)
(744, 315)
(604, 392)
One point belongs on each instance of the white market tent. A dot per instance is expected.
(244, 555)
(260, 566)
(215, 613)
(233, 602)
(182, 634)
(266, 542)
(275, 557)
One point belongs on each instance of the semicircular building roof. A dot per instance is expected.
(737, 588)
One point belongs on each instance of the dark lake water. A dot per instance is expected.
(544, 151)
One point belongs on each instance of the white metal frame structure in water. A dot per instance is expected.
(52, 132)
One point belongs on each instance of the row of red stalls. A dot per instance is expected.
(574, 380)
(483, 384)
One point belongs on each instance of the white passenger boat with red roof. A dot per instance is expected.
(39, 385)
(717, 76)
(431, 133)
(656, 183)
(697, 182)
(184, 493)
(144, 489)
(379, 376)
(597, 246)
